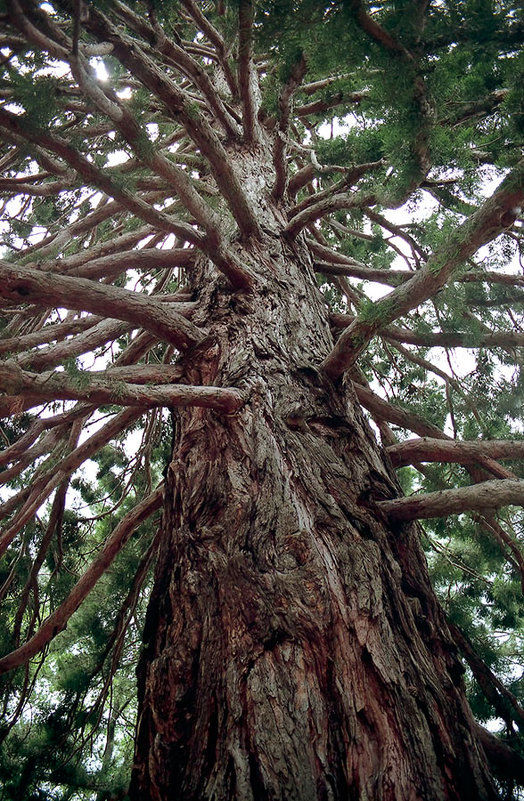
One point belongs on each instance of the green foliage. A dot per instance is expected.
(37, 95)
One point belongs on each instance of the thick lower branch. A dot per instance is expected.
(491, 219)
(428, 449)
(35, 389)
(24, 284)
(487, 495)
(505, 761)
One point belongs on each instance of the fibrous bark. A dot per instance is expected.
(293, 646)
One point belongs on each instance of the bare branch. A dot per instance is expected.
(387, 412)
(180, 57)
(505, 703)
(428, 449)
(504, 760)
(111, 388)
(47, 289)
(49, 333)
(114, 264)
(487, 495)
(37, 427)
(330, 204)
(351, 176)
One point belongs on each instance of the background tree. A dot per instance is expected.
(257, 257)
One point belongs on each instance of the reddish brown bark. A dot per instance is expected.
(293, 645)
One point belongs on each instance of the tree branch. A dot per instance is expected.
(382, 410)
(247, 78)
(491, 219)
(487, 495)
(114, 264)
(281, 134)
(217, 41)
(95, 177)
(49, 333)
(344, 200)
(57, 621)
(182, 109)
(47, 289)
(179, 57)
(325, 104)
(32, 497)
(111, 388)
(428, 449)
(504, 760)
(504, 702)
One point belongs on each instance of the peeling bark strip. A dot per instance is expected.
(23, 284)
(487, 495)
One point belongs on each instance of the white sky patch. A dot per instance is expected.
(117, 157)
(125, 93)
(100, 69)
(153, 131)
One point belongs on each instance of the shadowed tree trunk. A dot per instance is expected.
(293, 646)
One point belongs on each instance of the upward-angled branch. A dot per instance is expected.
(180, 107)
(506, 705)
(247, 78)
(114, 264)
(29, 499)
(284, 107)
(342, 200)
(57, 621)
(50, 333)
(493, 217)
(179, 56)
(376, 31)
(146, 152)
(217, 41)
(96, 177)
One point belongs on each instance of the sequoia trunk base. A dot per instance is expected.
(293, 646)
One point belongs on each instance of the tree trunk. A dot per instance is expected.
(294, 649)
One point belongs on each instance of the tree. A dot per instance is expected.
(252, 238)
